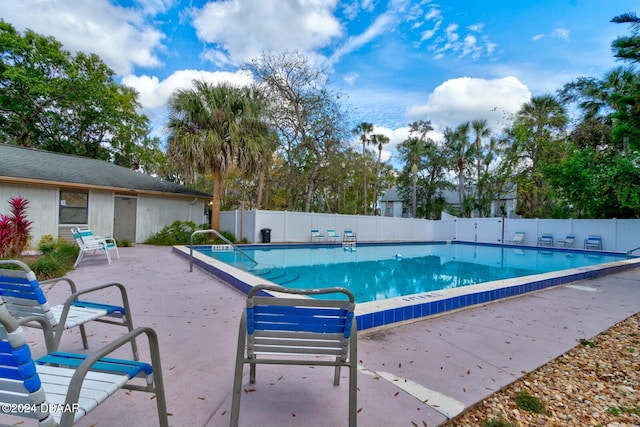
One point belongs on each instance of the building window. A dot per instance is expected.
(74, 207)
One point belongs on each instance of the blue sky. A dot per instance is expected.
(395, 61)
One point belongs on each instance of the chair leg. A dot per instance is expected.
(83, 333)
(336, 373)
(80, 256)
(106, 251)
(252, 373)
(353, 377)
(237, 376)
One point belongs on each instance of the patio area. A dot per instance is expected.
(414, 374)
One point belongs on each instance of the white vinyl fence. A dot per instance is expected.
(618, 235)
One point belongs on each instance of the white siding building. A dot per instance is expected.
(70, 191)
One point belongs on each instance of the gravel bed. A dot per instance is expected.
(597, 383)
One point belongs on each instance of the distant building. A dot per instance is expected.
(71, 191)
(391, 204)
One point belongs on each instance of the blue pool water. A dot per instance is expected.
(382, 271)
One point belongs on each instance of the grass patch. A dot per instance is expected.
(528, 402)
(587, 343)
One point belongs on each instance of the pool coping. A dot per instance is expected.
(377, 314)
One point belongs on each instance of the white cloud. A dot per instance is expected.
(561, 33)
(379, 26)
(275, 26)
(155, 93)
(558, 33)
(458, 100)
(351, 78)
(120, 36)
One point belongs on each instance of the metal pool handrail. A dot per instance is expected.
(632, 251)
(220, 236)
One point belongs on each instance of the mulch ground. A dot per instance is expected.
(597, 383)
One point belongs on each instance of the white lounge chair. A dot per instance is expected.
(567, 242)
(332, 236)
(349, 235)
(518, 238)
(593, 242)
(545, 240)
(88, 242)
(75, 383)
(316, 236)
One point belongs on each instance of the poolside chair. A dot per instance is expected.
(332, 236)
(316, 236)
(593, 242)
(297, 331)
(545, 240)
(59, 389)
(88, 242)
(349, 235)
(25, 300)
(567, 242)
(518, 238)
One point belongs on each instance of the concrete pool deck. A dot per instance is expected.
(422, 372)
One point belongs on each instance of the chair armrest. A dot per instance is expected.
(45, 326)
(73, 393)
(74, 297)
(71, 283)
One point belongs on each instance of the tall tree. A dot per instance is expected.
(307, 117)
(379, 140)
(538, 139)
(67, 103)
(628, 47)
(480, 130)
(215, 129)
(363, 130)
(461, 154)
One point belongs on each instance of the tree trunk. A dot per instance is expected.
(215, 202)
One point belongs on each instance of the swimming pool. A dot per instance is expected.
(377, 272)
(460, 274)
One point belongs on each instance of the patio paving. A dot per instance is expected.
(412, 374)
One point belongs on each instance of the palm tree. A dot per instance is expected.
(214, 129)
(539, 140)
(412, 150)
(481, 130)
(364, 129)
(379, 140)
(461, 154)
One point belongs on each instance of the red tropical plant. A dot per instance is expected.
(15, 228)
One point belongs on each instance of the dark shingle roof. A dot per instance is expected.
(37, 165)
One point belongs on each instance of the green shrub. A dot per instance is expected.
(530, 403)
(47, 243)
(227, 234)
(178, 233)
(56, 261)
(124, 243)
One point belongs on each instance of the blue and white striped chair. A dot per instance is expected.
(61, 388)
(297, 331)
(25, 299)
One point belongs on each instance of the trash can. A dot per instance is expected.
(266, 235)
